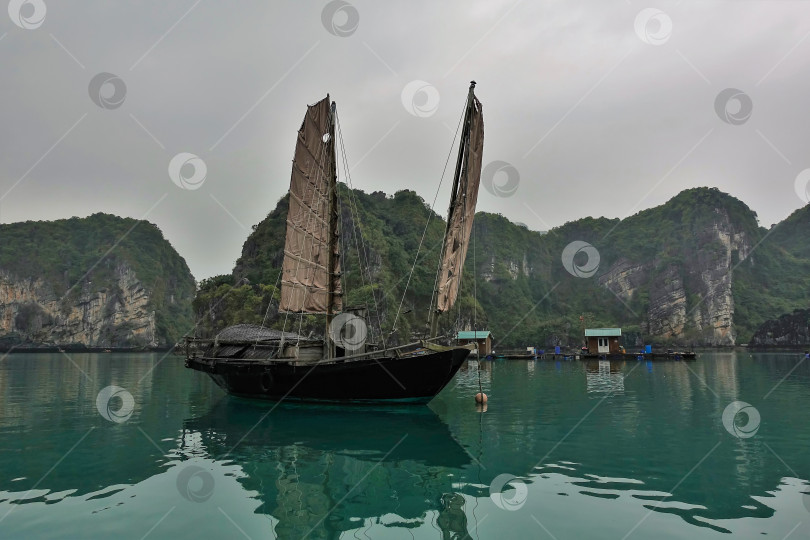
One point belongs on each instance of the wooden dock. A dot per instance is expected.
(520, 354)
(675, 355)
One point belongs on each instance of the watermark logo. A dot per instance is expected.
(802, 186)
(420, 98)
(27, 14)
(187, 171)
(731, 419)
(733, 106)
(348, 331)
(195, 484)
(115, 404)
(580, 259)
(653, 26)
(511, 500)
(500, 178)
(340, 18)
(108, 91)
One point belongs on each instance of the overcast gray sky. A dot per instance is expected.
(602, 108)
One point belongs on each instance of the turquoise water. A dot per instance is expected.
(564, 450)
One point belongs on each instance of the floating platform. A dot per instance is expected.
(675, 355)
(530, 356)
(517, 356)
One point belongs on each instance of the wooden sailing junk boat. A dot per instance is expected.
(256, 362)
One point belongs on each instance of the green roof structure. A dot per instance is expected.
(603, 332)
(474, 334)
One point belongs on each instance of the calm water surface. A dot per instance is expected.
(593, 450)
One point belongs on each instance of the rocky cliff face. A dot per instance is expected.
(790, 330)
(98, 281)
(515, 268)
(691, 300)
(114, 316)
(682, 273)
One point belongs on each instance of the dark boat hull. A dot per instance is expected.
(407, 379)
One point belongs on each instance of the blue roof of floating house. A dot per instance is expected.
(474, 334)
(603, 332)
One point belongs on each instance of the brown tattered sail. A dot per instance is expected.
(462, 211)
(311, 268)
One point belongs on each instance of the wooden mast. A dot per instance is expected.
(463, 149)
(332, 234)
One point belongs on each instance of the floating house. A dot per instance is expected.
(603, 340)
(482, 337)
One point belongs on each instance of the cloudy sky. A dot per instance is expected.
(591, 108)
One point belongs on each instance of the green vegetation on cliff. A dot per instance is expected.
(779, 281)
(697, 270)
(661, 266)
(83, 255)
(383, 232)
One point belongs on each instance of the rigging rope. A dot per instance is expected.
(475, 309)
(356, 212)
(352, 213)
(463, 173)
(424, 232)
(270, 302)
(267, 311)
(441, 253)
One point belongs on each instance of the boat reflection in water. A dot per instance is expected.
(324, 470)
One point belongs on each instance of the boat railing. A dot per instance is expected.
(425, 343)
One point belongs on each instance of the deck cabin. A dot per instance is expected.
(603, 340)
(483, 339)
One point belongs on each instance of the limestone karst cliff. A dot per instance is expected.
(100, 281)
(118, 315)
(690, 296)
(698, 270)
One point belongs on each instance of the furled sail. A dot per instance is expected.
(462, 206)
(310, 279)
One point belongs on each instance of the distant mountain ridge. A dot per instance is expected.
(697, 270)
(100, 281)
